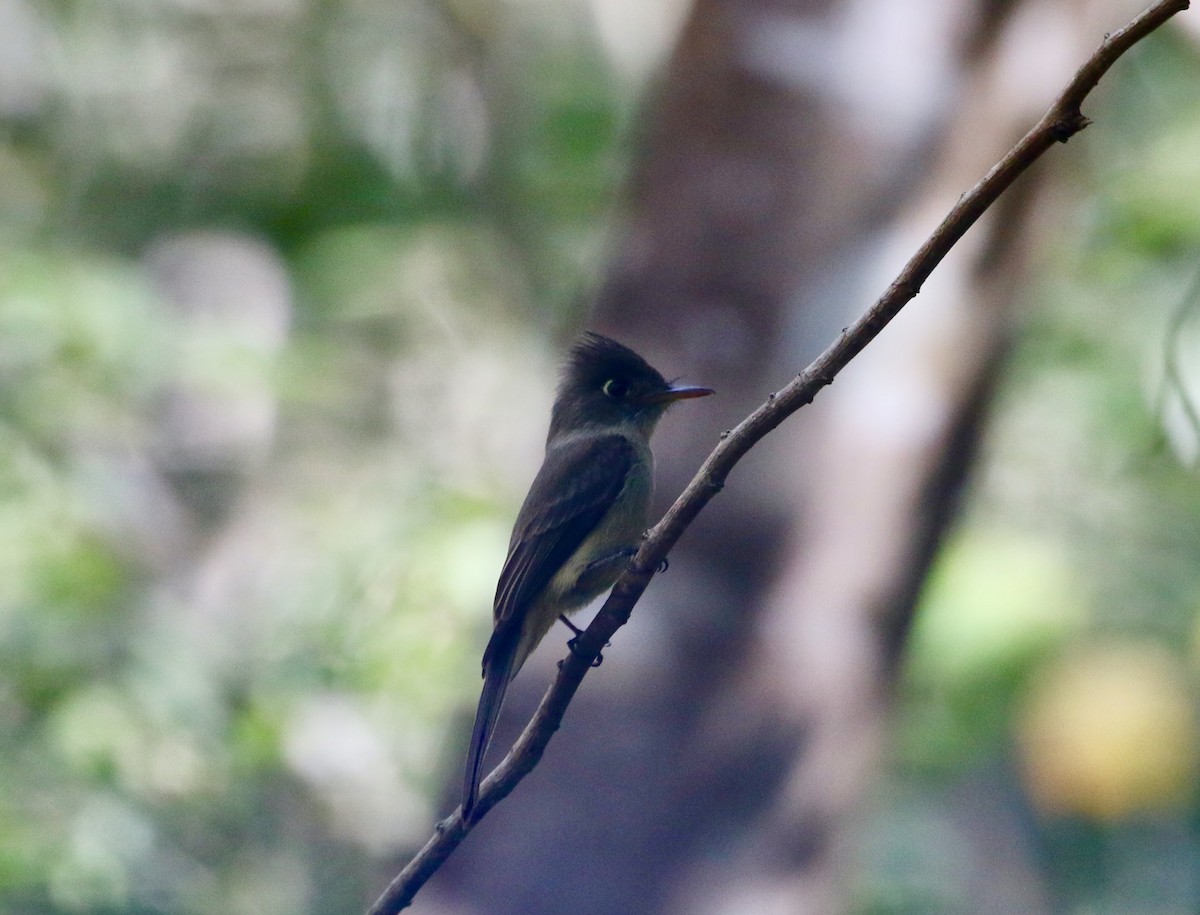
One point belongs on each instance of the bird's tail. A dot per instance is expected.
(497, 672)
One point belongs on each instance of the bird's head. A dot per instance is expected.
(606, 384)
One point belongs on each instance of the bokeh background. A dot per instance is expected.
(283, 286)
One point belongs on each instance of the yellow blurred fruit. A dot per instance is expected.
(1110, 731)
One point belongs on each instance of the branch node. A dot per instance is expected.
(1066, 125)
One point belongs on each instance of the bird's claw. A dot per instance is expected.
(663, 566)
(573, 642)
(573, 645)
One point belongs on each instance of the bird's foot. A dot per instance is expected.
(607, 561)
(573, 644)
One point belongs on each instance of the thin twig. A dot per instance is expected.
(1063, 120)
(1173, 375)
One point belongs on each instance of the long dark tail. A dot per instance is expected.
(497, 671)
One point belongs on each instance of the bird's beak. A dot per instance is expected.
(674, 393)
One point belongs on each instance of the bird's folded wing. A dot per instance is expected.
(569, 497)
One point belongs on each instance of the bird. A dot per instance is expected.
(583, 518)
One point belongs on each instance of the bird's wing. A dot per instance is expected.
(568, 498)
(572, 492)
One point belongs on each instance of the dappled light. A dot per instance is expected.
(284, 287)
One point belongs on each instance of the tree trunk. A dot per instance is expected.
(800, 152)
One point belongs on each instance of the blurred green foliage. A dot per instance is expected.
(248, 511)
(1051, 690)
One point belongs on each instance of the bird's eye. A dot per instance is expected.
(616, 388)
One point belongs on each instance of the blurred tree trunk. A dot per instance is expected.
(800, 152)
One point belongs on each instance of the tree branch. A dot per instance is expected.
(1062, 121)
